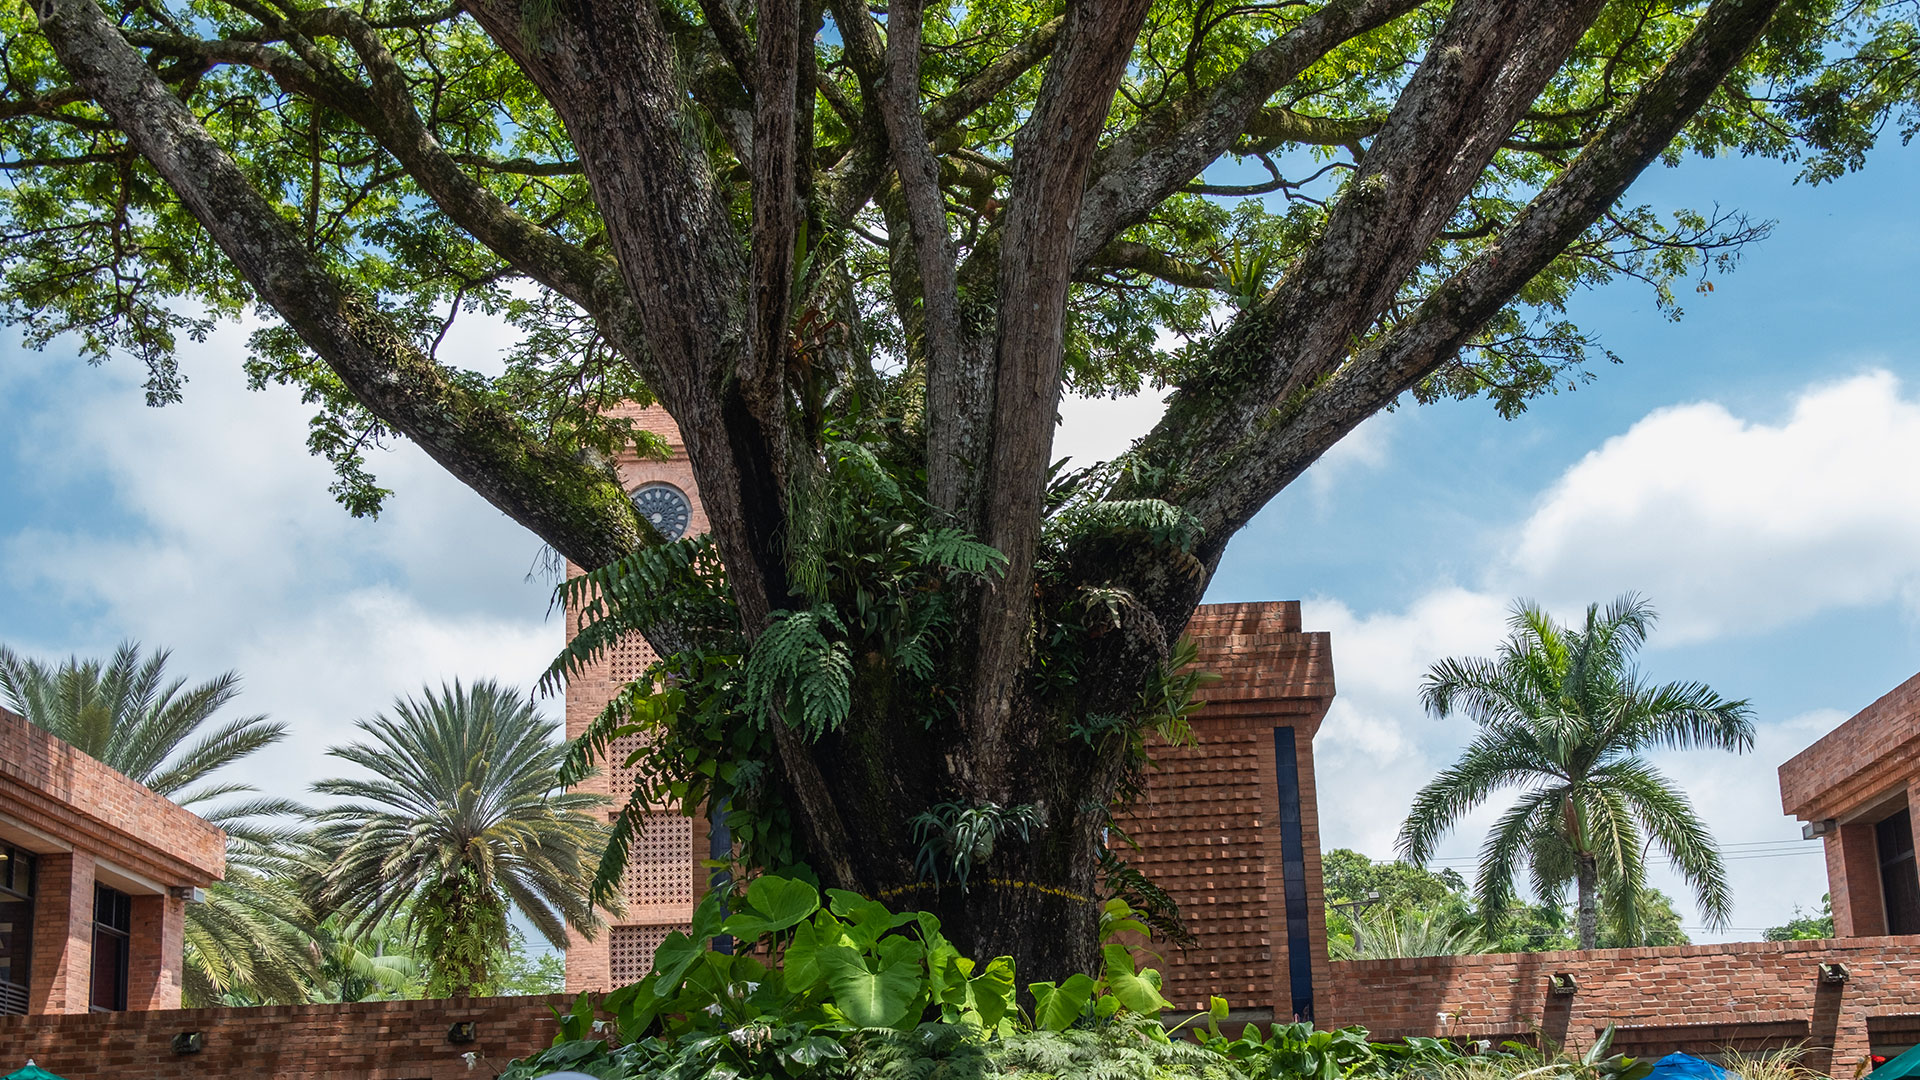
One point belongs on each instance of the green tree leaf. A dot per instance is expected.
(777, 903)
(871, 998)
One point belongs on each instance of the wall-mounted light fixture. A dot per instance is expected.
(462, 1031)
(1814, 830)
(189, 1042)
(1562, 984)
(1833, 974)
(192, 894)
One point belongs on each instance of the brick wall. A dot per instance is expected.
(1208, 822)
(1749, 995)
(54, 790)
(394, 1040)
(155, 968)
(62, 935)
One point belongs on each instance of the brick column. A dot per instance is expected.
(1316, 882)
(158, 946)
(62, 934)
(1853, 880)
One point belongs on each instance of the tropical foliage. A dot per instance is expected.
(128, 713)
(1566, 717)
(1805, 925)
(248, 941)
(1387, 933)
(1381, 909)
(849, 990)
(462, 819)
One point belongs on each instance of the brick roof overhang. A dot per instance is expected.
(1863, 763)
(1267, 665)
(54, 798)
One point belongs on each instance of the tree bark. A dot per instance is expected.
(1050, 160)
(1588, 883)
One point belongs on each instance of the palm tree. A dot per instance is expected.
(369, 966)
(1565, 716)
(126, 714)
(246, 941)
(464, 817)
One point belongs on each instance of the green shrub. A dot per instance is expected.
(853, 991)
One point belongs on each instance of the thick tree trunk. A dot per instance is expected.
(1588, 881)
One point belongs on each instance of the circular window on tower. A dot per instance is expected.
(666, 506)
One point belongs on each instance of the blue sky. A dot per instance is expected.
(1750, 467)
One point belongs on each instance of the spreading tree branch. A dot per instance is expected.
(1457, 309)
(574, 506)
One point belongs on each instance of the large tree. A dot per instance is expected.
(819, 231)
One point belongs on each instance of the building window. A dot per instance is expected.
(112, 931)
(16, 929)
(1899, 882)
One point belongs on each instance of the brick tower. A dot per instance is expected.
(664, 878)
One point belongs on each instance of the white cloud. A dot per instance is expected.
(1732, 526)
(1364, 448)
(1375, 749)
(1102, 428)
(223, 543)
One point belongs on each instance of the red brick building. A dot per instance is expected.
(1857, 789)
(95, 875)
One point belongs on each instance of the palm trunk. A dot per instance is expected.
(1589, 885)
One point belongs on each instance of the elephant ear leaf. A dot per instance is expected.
(868, 998)
(1056, 1007)
(774, 904)
(672, 959)
(991, 991)
(1138, 992)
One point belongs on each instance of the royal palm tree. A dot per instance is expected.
(1565, 717)
(462, 819)
(246, 941)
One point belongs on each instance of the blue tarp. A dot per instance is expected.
(1687, 1067)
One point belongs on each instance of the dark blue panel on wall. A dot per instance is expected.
(1293, 867)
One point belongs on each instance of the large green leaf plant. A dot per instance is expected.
(808, 976)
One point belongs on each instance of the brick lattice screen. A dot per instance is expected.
(630, 950)
(659, 873)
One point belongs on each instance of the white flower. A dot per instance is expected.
(473, 1059)
(599, 1026)
(714, 1009)
(740, 1036)
(751, 987)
